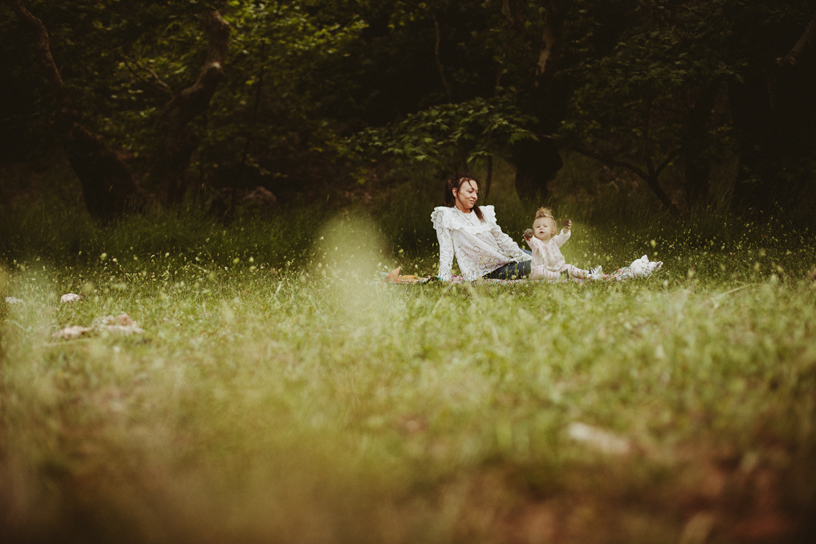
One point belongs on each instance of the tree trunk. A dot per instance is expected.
(537, 162)
(488, 182)
(794, 108)
(180, 139)
(804, 46)
(696, 145)
(773, 123)
(653, 181)
(775, 135)
(108, 189)
(107, 186)
(439, 67)
(755, 134)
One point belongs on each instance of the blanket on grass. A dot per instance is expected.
(640, 268)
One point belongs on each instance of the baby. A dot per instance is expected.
(548, 263)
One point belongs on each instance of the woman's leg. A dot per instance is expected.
(511, 271)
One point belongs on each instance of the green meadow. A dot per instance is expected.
(280, 392)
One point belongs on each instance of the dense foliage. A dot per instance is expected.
(317, 95)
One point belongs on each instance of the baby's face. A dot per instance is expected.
(544, 228)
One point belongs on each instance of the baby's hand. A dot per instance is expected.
(528, 234)
(567, 224)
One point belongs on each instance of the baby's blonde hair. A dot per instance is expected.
(544, 212)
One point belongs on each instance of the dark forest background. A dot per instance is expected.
(193, 104)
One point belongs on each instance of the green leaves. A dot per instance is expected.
(471, 129)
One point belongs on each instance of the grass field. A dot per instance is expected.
(280, 393)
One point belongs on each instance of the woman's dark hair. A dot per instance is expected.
(456, 182)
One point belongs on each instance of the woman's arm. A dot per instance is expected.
(445, 238)
(507, 245)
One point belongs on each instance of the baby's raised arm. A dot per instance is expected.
(534, 243)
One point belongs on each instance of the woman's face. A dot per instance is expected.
(465, 197)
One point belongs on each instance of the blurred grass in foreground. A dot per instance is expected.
(279, 394)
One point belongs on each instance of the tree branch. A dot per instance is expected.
(608, 160)
(805, 41)
(196, 98)
(180, 140)
(159, 84)
(513, 13)
(108, 189)
(650, 166)
(43, 49)
(650, 178)
(667, 161)
(512, 10)
(439, 62)
(551, 43)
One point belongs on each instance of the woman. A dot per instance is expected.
(471, 234)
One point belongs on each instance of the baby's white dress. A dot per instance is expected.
(548, 254)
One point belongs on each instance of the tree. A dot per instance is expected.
(544, 95)
(107, 186)
(465, 54)
(180, 140)
(653, 100)
(467, 131)
(636, 103)
(487, 50)
(140, 77)
(772, 104)
(641, 85)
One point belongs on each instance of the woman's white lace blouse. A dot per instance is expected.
(480, 247)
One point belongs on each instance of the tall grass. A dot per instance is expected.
(281, 394)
